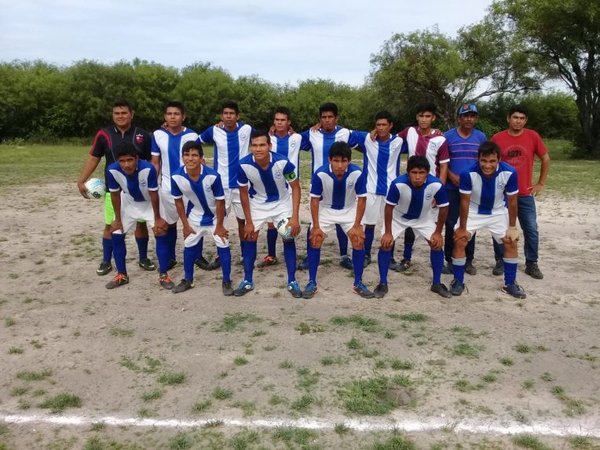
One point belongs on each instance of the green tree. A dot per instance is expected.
(566, 36)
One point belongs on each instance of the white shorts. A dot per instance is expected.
(269, 213)
(199, 232)
(232, 201)
(374, 211)
(329, 218)
(422, 227)
(133, 212)
(497, 225)
(168, 211)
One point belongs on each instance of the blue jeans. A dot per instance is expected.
(528, 220)
(453, 214)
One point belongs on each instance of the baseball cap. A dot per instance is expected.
(467, 108)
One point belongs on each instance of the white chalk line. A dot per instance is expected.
(589, 427)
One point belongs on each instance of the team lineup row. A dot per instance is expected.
(454, 179)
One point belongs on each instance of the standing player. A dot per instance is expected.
(381, 165)
(463, 144)
(338, 196)
(287, 145)
(204, 215)
(409, 205)
(167, 144)
(105, 143)
(319, 140)
(133, 187)
(264, 177)
(518, 147)
(424, 140)
(482, 193)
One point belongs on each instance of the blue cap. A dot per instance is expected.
(467, 108)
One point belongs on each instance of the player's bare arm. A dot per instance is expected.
(220, 229)
(539, 186)
(443, 172)
(248, 230)
(512, 233)
(294, 222)
(187, 229)
(461, 232)
(156, 163)
(387, 240)
(357, 232)
(160, 224)
(436, 240)
(316, 234)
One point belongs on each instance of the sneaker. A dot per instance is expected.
(362, 290)
(310, 290)
(470, 268)
(227, 288)
(103, 268)
(165, 281)
(367, 260)
(172, 263)
(147, 264)
(202, 263)
(402, 266)
(183, 286)
(534, 271)
(119, 280)
(498, 268)
(294, 289)
(515, 290)
(456, 287)
(346, 262)
(243, 288)
(303, 265)
(215, 264)
(441, 289)
(447, 269)
(380, 290)
(267, 261)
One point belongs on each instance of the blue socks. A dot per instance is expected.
(510, 270)
(172, 240)
(358, 263)
(342, 240)
(369, 237)
(314, 257)
(120, 251)
(272, 241)
(107, 250)
(163, 252)
(189, 258)
(437, 263)
(384, 258)
(289, 253)
(249, 253)
(225, 257)
(458, 268)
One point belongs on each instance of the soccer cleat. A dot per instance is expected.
(103, 268)
(303, 265)
(244, 287)
(447, 269)
(441, 289)
(294, 289)
(310, 290)
(367, 260)
(227, 288)
(183, 286)
(498, 268)
(380, 290)
(147, 264)
(267, 261)
(402, 266)
(202, 263)
(215, 264)
(515, 290)
(172, 263)
(362, 290)
(533, 271)
(470, 268)
(119, 280)
(165, 281)
(456, 287)
(346, 262)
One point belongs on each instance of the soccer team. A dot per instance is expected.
(456, 180)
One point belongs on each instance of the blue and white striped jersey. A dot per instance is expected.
(136, 186)
(463, 151)
(319, 143)
(338, 194)
(201, 195)
(230, 147)
(416, 203)
(288, 146)
(168, 146)
(487, 193)
(381, 160)
(267, 185)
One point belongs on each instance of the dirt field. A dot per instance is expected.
(207, 371)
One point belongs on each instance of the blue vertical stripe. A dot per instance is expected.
(174, 152)
(416, 203)
(383, 157)
(338, 200)
(233, 154)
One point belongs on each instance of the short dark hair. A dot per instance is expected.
(487, 148)
(126, 148)
(283, 110)
(121, 103)
(259, 133)
(328, 107)
(230, 104)
(426, 107)
(341, 149)
(417, 162)
(192, 145)
(517, 109)
(384, 115)
(175, 104)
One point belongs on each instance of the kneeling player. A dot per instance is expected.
(263, 178)
(337, 197)
(482, 191)
(133, 187)
(202, 187)
(410, 205)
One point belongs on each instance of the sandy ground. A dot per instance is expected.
(483, 357)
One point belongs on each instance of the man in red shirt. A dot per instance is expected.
(519, 146)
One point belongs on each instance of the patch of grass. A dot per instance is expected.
(244, 439)
(354, 344)
(547, 377)
(36, 344)
(464, 385)
(572, 407)
(128, 363)
(201, 406)
(220, 393)
(341, 428)
(240, 361)
(233, 322)
(306, 378)
(389, 334)
(529, 441)
(303, 403)
(366, 324)
(60, 402)
(396, 442)
(528, 384)
(506, 361)
(247, 407)
(34, 376)
(399, 364)
(409, 317)
(277, 400)
(98, 426)
(121, 332)
(373, 396)
(152, 395)
(172, 378)
(465, 349)
(17, 391)
(489, 377)
(330, 360)
(9, 322)
(299, 436)
(522, 348)
(181, 441)
(582, 443)
(15, 350)
(286, 364)
(308, 328)
(258, 333)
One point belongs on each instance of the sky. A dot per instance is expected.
(280, 41)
